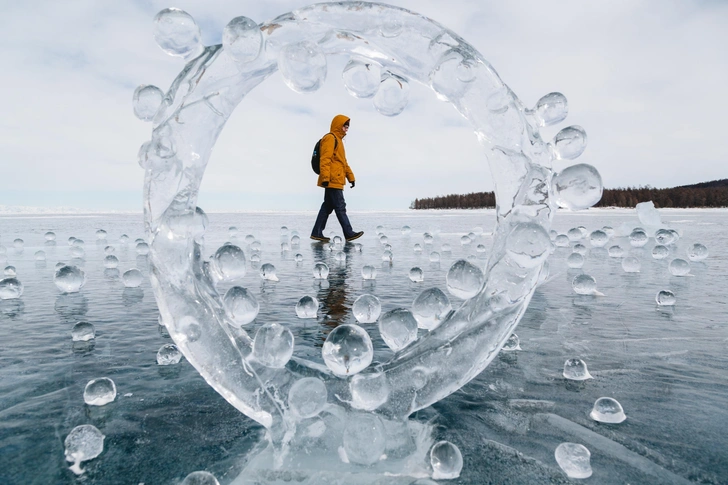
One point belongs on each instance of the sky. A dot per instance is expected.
(645, 79)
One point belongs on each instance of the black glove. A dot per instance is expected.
(353, 184)
(324, 184)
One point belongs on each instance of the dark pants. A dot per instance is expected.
(333, 202)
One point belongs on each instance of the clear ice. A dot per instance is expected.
(430, 308)
(307, 397)
(679, 267)
(638, 238)
(347, 350)
(366, 309)
(241, 305)
(132, 278)
(660, 252)
(273, 345)
(268, 272)
(307, 307)
(368, 272)
(574, 459)
(83, 332)
(665, 298)
(648, 215)
(584, 284)
(446, 461)
(630, 264)
(398, 328)
(10, 288)
(607, 410)
(99, 391)
(575, 260)
(576, 370)
(69, 278)
(168, 354)
(464, 279)
(83, 443)
(200, 478)
(320, 271)
(697, 252)
(512, 344)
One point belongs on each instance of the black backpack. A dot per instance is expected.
(316, 156)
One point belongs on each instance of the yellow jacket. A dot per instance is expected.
(334, 168)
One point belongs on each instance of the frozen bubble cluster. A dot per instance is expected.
(83, 443)
(348, 350)
(446, 461)
(168, 354)
(99, 392)
(366, 309)
(574, 459)
(607, 410)
(69, 279)
(576, 370)
(83, 332)
(307, 307)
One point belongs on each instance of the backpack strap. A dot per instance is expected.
(336, 141)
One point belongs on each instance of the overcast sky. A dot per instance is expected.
(646, 79)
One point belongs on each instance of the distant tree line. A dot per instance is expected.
(706, 194)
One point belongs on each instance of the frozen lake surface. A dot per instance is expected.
(668, 367)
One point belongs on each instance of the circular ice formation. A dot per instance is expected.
(83, 443)
(132, 278)
(615, 251)
(320, 271)
(168, 354)
(398, 328)
(430, 308)
(40, 256)
(142, 248)
(273, 345)
(10, 271)
(18, 243)
(665, 237)
(576, 370)
(83, 332)
(298, 258)
(241, 305)
(607, 410)
(348, 350)
(679, 267)
(630, 264)
(574, 459)
(307, 307)
(584, 284)
(416, 275)
(369, 272)
(146, 101)
(446, 461)
(569, 143)
(638, 238)
(268, 272)
(69, 279)
(242, 39)
(364, 438)
(99, 392)
(598, 238)
(387, 256)
(303, 66)
(697, 252)
(366, 309)
(111, 261)
(575, 260)
(561, 240)
(78, 252)
(528, 245)
(465, 240)
(177, 33)
(417, 248)
(580, 249)
(200, 478)
(10, 288)
(393, 94)
(551, 109)
(307, 397)
(50, 236)
(368, 391)
(464, 279)
(406, 230)
(361, 78)
(512, 344)
(577, 187)
(340, 256)
(434, 257)
(228, 263)
(660, 252)
(665, 298)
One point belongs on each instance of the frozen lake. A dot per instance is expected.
(668, 367)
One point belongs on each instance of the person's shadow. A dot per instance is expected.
(334, 296)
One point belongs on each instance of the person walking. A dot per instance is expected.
(334, 172)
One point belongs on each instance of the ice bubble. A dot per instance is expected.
(228, 263)
(406, 230)
(99, 392)
(577, 187)
(574, 234)
(348, 350)
(480, 248)
(50, 236)
(10, 288)
(361, 79)
(562, 241)
(249, 239)
(303, 66)
(364, 439)
(60, 265)
(528, 245)
(307, 307)
(132, 278)
(697, 252)
(417, 248)
(69, 279)
(284, 231)
(320, 271)
(255, 245)
(512, 344)
(573, 458)
(638, 238)
(366, 309)
(379, 230)
(285, 247)
(101, 234)
(200, 478)
(18, 243)
(679, 267)
(168, 354)
(369, 391)
(551, 109)
(665, 298)
(387, 256)
(242, 39)
(660, 251)
(576, 370)
(255, 258)
(416, 275)
(10, 271)
(298, 257)
(83, 443)
(123, 239)
(430, 308)
(307, 397)
(630, 264)
(177, 33)
(142, 248)
(78, 252)
(598, 238)
(434, 257)
(665, 237)
(569, 143)
(608, 230)
(446, 461)
(580, 249)
(575, 260)
(111, 261)
(273, 345)
(387, 247)
(340, 256)
(607, 410)
(358, 247)
(109, 250)
(268, 272)
(428, 238)
(393, 94)
(584, 284)
(241, 305)
(83, 332)
(383, 239)
(71, 240)
(368, 272)
(465, 240)
(615, 251)
(464, 279)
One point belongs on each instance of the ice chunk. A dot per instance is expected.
(398, 328)
(575, 260)
(584, 284)
(228, 263)
(307, 397)
(83, 443)
(99, 392)
(303, 66)
(168, 354)
(665, 236)
(176, 33)
(648, 215)
(307, 307)
(366, 309)
(607, 410)
(464, 279)
(528, 244)
(364, 438)
(348, 350)
(111, 261)
(361, 79)
(430, 308)
(69, 279)
(512, 344)
(615, 251)
(446, 461)
(638, 238)
(598, 238)
(393, 94)
(562, 241)
(273, 345)
(574, 458)
(576, 370)
(660, 252)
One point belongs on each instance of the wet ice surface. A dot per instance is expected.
(665, 365)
